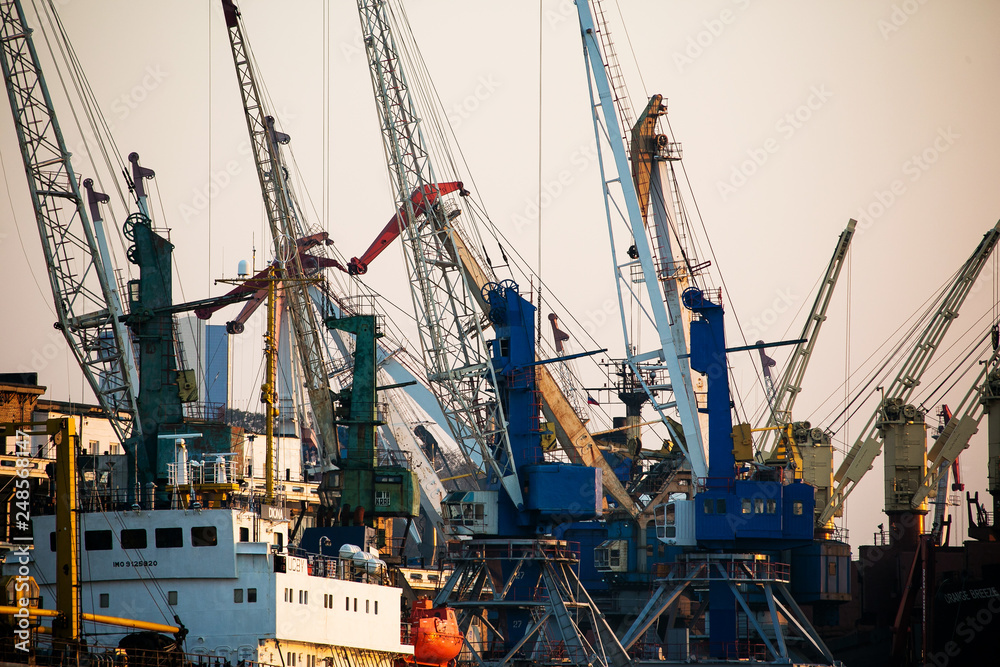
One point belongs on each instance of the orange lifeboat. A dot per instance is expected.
(434, 634)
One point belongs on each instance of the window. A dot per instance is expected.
(134, 538)
(251, 595)
(772, 506)
(303, 597)
(758, 505)
(169, 538)
(746, 506)
(376, 607)
(52, 541)
(669, 515)
(355, 604)
(114, 448)
(105, 600)
(244, 534)
(204, 536)
(93, 446)
(97, 540)
(238, 595)
(709, 506)
(720, 506)
(797, 508)
(831, 568)
(368, 604)
(347, 606)
(172, 596)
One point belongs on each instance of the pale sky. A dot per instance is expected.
(793, 116)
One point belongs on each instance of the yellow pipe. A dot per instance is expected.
(448, 479)
(131, 623)
(32, 611)
(98, 618)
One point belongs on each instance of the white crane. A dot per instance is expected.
(859, 458)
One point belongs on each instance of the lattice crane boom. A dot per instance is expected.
(790, 383)
(861, 455)
(957, 432)
(448, 317)
(86, 302)
(286, 227)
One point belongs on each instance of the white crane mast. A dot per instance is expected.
(661, 305)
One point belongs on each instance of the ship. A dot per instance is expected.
(215, 583)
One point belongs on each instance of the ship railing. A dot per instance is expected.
(394, 458)
(741, 650)
(840, 534)
(646, 651)
(515, 550)
(718, 569)
(205, 411)
(330, 567)
(219, 468)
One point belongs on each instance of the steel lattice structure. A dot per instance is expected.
(449, 321)
(87, 305)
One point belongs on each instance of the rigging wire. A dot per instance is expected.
(891, 358)
(541, 33)
(45, 294)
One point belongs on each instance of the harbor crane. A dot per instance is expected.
(790, 383)
(489, 391)
(649, 259)
(286, 227)
(894, 416)
(448, 319)
(87, 305)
